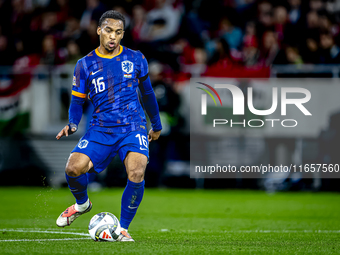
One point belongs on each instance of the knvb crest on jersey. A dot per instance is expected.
(127, 66)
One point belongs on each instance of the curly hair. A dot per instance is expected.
(111, 15)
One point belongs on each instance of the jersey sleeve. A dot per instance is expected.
(150, 104)
(79, 92)
(79, 88)
(143, 67)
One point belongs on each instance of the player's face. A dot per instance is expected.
(110, 34)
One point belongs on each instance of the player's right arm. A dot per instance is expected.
(79, 92)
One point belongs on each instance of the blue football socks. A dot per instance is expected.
(78, 187)
(131, 199)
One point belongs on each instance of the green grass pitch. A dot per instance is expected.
(176, 222)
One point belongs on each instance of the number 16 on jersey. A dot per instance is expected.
(99, 85)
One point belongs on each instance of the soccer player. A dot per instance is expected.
(110, 76)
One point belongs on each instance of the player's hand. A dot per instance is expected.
(153, 135)
(65, 131)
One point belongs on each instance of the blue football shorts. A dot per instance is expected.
(102, 147)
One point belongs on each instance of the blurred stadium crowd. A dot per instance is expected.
(181, 38)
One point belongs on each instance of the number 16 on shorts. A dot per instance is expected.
(143, 142)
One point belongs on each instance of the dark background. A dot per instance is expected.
(40, 41)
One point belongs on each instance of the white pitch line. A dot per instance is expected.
(53, 229)
(43, 240)
(44, 231)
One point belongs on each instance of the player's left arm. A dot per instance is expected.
(149, 100)
(151, 107)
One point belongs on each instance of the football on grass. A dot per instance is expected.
(104, 226)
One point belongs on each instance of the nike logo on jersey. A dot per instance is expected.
(143, 149)
(93, 73)
(132, 207)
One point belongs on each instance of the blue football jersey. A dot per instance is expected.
(111, 83)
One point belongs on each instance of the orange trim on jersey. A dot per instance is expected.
(78, 94)
(107, 56)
